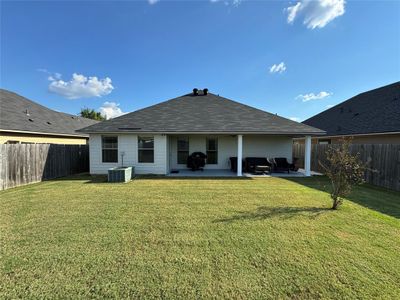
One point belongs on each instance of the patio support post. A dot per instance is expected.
(239, 154)
(307, 155)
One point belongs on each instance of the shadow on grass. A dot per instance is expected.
(376, 198)
(265, 212)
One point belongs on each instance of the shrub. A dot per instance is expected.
(343, 169)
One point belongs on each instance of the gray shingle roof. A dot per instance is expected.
(375, 111)
(13, 116)
(202, 113)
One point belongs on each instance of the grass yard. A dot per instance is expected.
(197, 238)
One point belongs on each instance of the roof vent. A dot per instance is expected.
(195, 92)
(30, 120)
(205, 91)
(48, 122)
(27, 112)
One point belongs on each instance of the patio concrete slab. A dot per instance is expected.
(229, 173)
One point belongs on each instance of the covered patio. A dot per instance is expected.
(230, 155)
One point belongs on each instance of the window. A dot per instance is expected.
(146, 149)
(109, 146)
(183, 150)
(212, 151)
(324, 142)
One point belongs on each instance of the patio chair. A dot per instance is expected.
(257, 165)
(233, 163)
(282, 165)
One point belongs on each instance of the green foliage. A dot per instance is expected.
(270, 238)
(343, 169)
(91, 114)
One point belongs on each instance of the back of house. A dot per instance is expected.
(159, 139)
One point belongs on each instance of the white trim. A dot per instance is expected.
(301, 134)
(45, 133)
(359, 134)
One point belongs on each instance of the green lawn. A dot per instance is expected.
(197, 238)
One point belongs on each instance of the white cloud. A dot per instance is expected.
(52, 76)
(80, 86)
(111, 110)
(296, 119)
(312, 96)
(316, 13)
(151, 2)
(292, 11)
(330, 105)
(280, 68)
(234, 3)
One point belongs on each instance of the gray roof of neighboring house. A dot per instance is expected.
(202, 113)
(375, 111)
(20, 114)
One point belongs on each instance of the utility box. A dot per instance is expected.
(121, 174)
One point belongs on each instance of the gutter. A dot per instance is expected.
(358, 134)
(209, 132)
(45, 133)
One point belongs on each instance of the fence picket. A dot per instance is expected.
(383, 169)
(28, 163)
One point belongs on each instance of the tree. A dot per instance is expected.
(91, 114)
(344, 171)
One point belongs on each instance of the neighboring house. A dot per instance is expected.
(24, 121)
(159, 138)
(372, 117)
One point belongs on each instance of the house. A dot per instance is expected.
(371, 117)
(159, 138)
(24, 121)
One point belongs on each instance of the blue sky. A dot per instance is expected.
(291, 58)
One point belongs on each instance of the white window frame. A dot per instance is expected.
(144, 137)
(102, 148)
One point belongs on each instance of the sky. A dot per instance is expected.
(293, 58)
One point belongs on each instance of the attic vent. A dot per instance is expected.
(48, 122)
(356, 114)
(195, 92)
(129, 128)
(30, 120)
(27, 112)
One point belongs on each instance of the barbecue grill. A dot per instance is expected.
(196, 161)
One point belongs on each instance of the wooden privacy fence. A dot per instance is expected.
(27, 163)
(384, 165)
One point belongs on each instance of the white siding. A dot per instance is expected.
(267, 146)
(165, 151)
(253, 146)
(128, 143)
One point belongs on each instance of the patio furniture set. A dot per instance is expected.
(262, 165)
